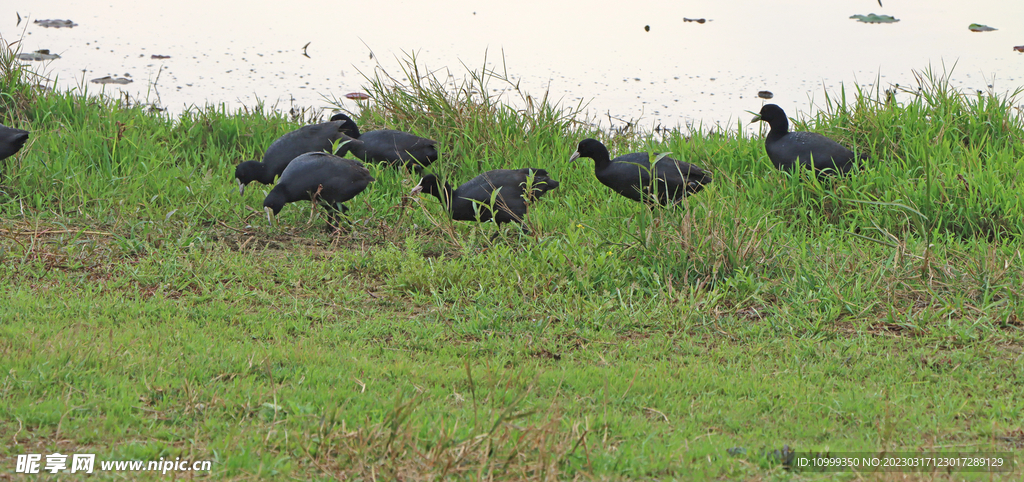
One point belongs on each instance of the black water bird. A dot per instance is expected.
(326, 178)
(311, 138)
(809, 149)
(630, 174)
(391, 146)
(11, 141)
(474, 197)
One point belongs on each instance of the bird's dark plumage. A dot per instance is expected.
(11, 141)
(631, 174)
(332, 180)
(311, 138)
(509, 204)
(786, 149)
(391, 146)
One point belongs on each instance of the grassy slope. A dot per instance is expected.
(152, 313)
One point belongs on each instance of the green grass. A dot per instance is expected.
(150, 312)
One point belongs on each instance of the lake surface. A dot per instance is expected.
(600, 53)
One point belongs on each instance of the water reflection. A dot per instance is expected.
(678, 72)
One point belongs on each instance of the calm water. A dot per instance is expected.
(677, 73)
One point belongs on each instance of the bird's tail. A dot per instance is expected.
(19, 140)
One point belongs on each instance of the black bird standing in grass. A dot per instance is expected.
(311, 138)
(11, 141)
(325, 178)
(391, 146)
(630, 174)
(809, 149)
(474, 196)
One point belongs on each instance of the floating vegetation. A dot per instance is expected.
(111, 80)
(764, 94)
(698, 20)
(54, 23)
(159, 57)
(977, 27)
(872, 18)
(1019, 48)
(38, 55)
(357, 96)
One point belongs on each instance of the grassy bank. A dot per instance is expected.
(152, 312)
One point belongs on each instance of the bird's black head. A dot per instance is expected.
(346, 145)
(774, 116)
(430, 184)
(542, 183)
(695, 186)
(249, 171)
(591, 148)
(275, 201)
(348, 125)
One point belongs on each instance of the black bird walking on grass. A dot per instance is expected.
(391, 146)
(11, 141)
(631, 174)
(311, 138)
(325, 178)
(809, 149)
(474, 197)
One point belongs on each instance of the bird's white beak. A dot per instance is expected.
(574, 156)
(416, 190)
(270, 215)
(241, 187)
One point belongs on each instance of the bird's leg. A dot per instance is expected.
(313, 196)
(335, 216)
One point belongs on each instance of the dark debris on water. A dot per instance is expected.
(111, 80)
(875, 18)
(38, 55)
(55, 23)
